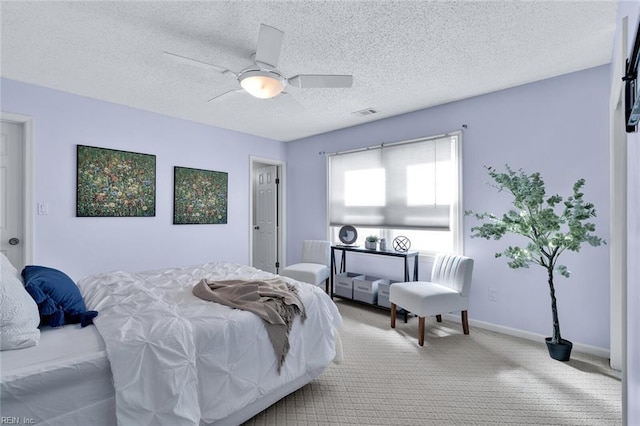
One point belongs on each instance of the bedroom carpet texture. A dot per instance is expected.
(485, 378)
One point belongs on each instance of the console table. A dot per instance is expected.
(405, 255)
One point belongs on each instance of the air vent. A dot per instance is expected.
(366, 111)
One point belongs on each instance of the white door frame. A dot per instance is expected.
(618, 216)
(282, 214)
(29, 178)
(617, 201)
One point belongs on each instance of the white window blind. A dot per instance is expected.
(404, 185)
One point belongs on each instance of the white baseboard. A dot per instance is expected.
(579, 347)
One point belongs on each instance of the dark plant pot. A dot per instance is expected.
(560, 351)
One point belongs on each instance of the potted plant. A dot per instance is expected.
(371, 242)
(550, 226)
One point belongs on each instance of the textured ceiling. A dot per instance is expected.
(403, 55)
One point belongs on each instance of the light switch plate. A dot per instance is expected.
(43, 208)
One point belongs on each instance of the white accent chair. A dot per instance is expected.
(314, 268)
(448, 291)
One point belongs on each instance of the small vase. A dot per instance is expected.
(370, 245)
(560, 351)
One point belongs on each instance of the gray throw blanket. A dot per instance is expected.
(274, 300)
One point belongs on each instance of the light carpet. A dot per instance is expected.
(484, 378)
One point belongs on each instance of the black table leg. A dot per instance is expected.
(332, 271)
(406, 269)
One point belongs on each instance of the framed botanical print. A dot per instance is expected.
(112, 183)
(199, 196)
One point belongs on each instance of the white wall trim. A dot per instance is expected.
(29, 179)
(282, 206)
(579, 347)
(618, 205)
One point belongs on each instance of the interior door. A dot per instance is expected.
(12, 192)
(265, 241)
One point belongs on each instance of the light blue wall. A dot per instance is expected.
(80, 246)
(558, 127)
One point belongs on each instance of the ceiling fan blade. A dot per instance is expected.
(198, 64)
(319, 81)
(226, 93)
(269, 45)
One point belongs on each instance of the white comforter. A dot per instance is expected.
(177, 359)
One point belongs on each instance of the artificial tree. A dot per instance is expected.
(549, 232)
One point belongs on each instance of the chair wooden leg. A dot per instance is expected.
(421, 331)
(393, 315)
(439, 318)
(465, 322)
(326, 286)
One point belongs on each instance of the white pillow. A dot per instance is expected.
(20, 316)
(6, 265)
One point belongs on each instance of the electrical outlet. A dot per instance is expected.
(493, 294)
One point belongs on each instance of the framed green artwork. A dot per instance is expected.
(113, 183)
(199, 196)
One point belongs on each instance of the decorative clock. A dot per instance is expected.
(348, 234)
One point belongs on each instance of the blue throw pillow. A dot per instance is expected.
(57, 296)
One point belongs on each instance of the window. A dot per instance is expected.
(410, 189)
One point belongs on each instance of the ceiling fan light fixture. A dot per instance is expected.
(262, 84)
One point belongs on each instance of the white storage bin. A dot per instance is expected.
(383, 293)
(344, 284)
(365, 288)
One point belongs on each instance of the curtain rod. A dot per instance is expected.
(383, 144)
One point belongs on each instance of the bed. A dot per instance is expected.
(64, 380)
(160, 355)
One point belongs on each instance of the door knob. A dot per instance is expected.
(256, 227)
(14, 241)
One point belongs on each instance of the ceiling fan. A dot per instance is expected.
(262, 79)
